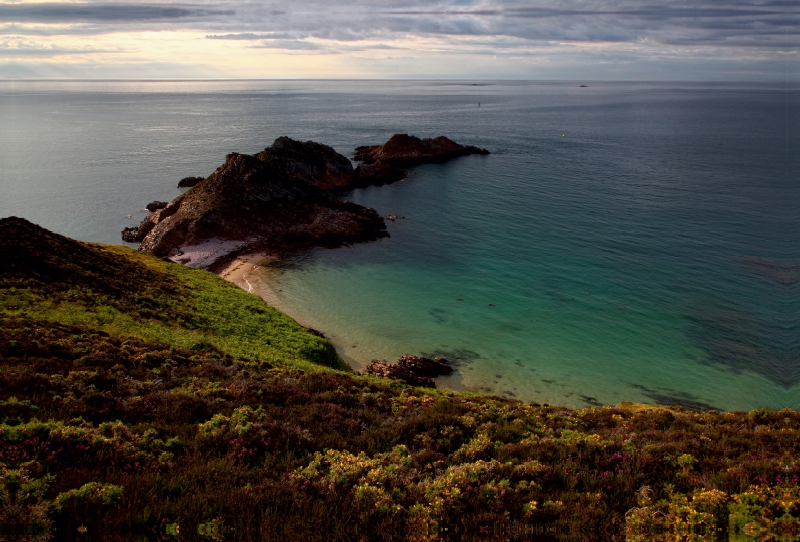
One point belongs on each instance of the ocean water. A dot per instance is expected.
(623, 241)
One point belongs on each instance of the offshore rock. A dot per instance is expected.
(404, 150)
(154, 206)
(266, 202)
(312, 162)
(189, 182)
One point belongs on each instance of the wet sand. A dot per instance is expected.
(238, 271)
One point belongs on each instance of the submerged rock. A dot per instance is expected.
(377, 174)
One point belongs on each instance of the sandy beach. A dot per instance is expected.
(239, 269)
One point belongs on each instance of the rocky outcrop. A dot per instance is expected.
(404, 150)
(189, 182)
(312, 162)
(266, 202)
(154, 206)
(396, 372)
(425, 366)
(282, 199)
(138, 233)
(384, 164)
(414, 370)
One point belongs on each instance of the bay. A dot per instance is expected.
(623, 241)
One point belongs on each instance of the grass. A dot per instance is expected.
(127, 292)
(233, 423)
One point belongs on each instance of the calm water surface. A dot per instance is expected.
(622, 242)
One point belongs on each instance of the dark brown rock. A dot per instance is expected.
(314, 332)
(404, 150)
(131, 235)
(312, 162)
(376, 174)
(155, 206)
(264, 202)
(189, 182)
(138, 233)
(425, 366)
(398, 372)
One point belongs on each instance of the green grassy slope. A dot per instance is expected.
(140, 400)
(131, 293)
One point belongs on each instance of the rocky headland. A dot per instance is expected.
(250, 204)
(280, 200)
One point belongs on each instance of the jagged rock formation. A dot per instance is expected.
(425, 366)
(414, 370)
(396, 372)
(188, 182)
(384, 164)
(315, 163)
(282, 198)
(404, 150)
(263, 202)
(154, 206)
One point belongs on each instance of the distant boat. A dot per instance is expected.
(583, 86)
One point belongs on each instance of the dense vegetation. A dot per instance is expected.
(181, 407)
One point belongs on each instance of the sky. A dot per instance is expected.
(697, 40)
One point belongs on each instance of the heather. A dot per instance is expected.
(113, 430)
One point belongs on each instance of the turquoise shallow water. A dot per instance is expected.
(622, 241)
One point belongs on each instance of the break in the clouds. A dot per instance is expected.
(608, 39)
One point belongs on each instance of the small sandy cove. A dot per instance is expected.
(238, 270)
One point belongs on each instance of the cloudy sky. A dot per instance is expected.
(519, 39)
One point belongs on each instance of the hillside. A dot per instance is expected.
(143, 400)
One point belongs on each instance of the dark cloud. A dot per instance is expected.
(252, 36)
(82, 12)
(674, 22)
(629, 30)
(290, 45)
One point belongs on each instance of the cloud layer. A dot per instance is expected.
(676, 39)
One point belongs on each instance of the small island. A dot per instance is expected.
(281, 200)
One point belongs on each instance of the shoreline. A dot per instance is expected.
(242, 269)
(238, 269)
(237, 272)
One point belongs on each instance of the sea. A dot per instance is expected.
(622, 242)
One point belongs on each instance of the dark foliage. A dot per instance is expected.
(60, 268)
